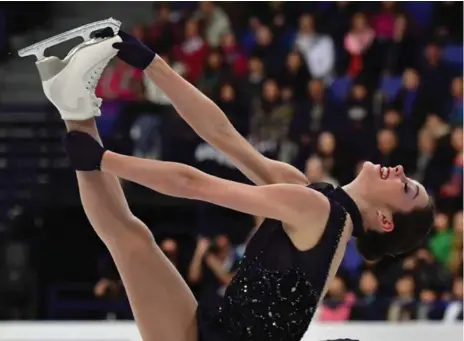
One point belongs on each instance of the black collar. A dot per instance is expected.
(350, 206)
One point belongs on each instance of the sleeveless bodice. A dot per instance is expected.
(277, 288)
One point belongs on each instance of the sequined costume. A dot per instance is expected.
(276, 290)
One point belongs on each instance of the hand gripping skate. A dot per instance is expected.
(70, 83)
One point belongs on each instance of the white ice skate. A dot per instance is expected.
(70, 83)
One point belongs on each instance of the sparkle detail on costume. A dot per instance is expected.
(277, 288)
(279, 304)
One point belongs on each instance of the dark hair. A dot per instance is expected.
(409, 233)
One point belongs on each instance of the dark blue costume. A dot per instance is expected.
(277, 288)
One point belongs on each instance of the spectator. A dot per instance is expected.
(266, 49)
(171, 250)
(458, 224)
(317, 50)
(336, 21)
(233, 108)
(281, 15)
(314, 114)
(383, 22)
(233, 54)
(212, 268)
(448, 20)
(315, 172)
(456, 257)
(109, 287)
(454, 311)
(270, 119)
(393, 120)
(427, 166)
(249, 38)
(400, 52)
(437, 127)
(294, 75)
(216, 22)
(451, 191)
(436, 77)
(358, 43)
(326, 147)
(403, 306)
(359, 120)
(388, 276)
(368, 305)
(429, 307)
(429, 274)
(163, 33)
(287, 95)
(195, 271)
(411, 102)
(120, 81)
(214, 72)
(337, 304)
(454, 110)
(441, 132)
(192, 51)
(388, 151)
(255, 79)
(221, 260)
(441, 241)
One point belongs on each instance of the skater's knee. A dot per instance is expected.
(132, 233)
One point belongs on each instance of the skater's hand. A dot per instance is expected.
(84, 152)
(133, 51)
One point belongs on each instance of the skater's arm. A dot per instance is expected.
(292, 204)
(211, 124)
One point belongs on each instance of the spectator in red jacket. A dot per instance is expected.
(192, 51)
(233, 54)
(120, 81)
(162, 33)
(358, 41)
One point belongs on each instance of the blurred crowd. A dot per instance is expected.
(323, 86)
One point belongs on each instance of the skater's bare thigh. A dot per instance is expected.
(163, 305)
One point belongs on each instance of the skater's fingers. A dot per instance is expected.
(125, 36)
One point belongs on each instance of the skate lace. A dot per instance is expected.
(93, 81)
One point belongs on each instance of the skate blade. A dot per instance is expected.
(85, 32)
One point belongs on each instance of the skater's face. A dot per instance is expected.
(388, 190)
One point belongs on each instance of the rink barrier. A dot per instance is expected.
(127, 331)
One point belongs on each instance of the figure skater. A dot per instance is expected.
(289, 260)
